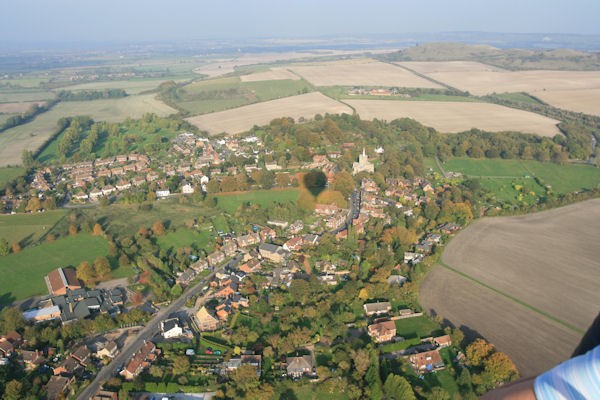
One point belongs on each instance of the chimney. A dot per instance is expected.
(70, 307)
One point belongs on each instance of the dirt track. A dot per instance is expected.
(549, 260)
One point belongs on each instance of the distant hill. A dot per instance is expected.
(511, 59)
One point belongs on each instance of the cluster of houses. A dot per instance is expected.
(368, 91)
(69, 301)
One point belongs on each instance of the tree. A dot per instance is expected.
(50, 203)
(86, 272)
(176, 291)
(34, 204)
(229, 184)
(97, 230)
(158, 228)
(500, 367)
(438, 393)
(73, 229)
(4, 249)
(478, 351)
(245, 377)
(212, 186)
(332, 196)
(361, 360)
(266, 179)
(306, 201)
(16, 247)
(282, 179)
(101, 266)
(124, 394)
(13, 390)
(398, 388)
(27, 158)
(181, 365)
(344, 183)
(12, 319)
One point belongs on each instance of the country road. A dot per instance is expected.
(149, 331)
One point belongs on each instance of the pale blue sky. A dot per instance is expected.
(152, 20)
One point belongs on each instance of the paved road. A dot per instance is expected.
(353, 213)
(147, 333)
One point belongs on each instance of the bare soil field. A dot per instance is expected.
(272, 74)
(32, 134)
(243, 118)
(452, 117)
(548, 260)
(10, 108)
(533, 342)
(363, 73)
(480, 83)
(586, 100)
(428, 67)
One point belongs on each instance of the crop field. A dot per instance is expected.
(230, 202)
(546, 263)
(429, 67)
(244, 118)
(33, 134)
(20, 95)
(586, 100)
(28, 228)
(17, 107)
(452, 117)
(533, 342)
(482, 82)
(134, 86)
(23, 273)
(271, 75)
(221, 94)
(361, 72)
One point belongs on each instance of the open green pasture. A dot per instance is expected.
(485, 167)
(184, 238)
(23, 273)
(417, 327)
(565, 178)
(9, 173)
(230, 202)
(221, 94)
(28, 228)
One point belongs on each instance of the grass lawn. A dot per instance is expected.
(224, 93)
(512, 190)
(565, 178)
(28, 228)
(183, 238)
(518, 96)
(430, 163)
(230, 202)
(23, 273)
(305, 392)
(125, 220)
(9, 173)
(485, 167)
(417, 326)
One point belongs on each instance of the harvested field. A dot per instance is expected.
(533, 342)
(363, 73)
(428, 67)
(18, 107)
(550, 261)
(586, 101)
(452, 117)
(130, 86)
(482, 82)
(243, 118)
(272, 74)
(33, 134)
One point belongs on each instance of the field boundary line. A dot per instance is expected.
(521, 302)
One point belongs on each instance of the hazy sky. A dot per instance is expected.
(140, 20)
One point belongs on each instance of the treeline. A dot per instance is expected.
(85, 95)
(28, 115)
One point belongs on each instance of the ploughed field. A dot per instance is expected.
(453, 117)
(544, 271)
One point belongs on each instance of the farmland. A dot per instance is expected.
(584, 100)
(221, 94)
(23, 273)
(230, 202)
(430, 67)
(8, 173)
(134, 86)
(360, 72)
(17, 107)
(271, 75)
(244, 118)
(33, 134)
(452, 117)
(21, 95)
(28, 228)
(536, 262)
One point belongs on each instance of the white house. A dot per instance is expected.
(187, 189)
(163, 193)
(170, 328)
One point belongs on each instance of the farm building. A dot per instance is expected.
(61, 279)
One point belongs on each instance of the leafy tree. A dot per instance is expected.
(101, 266)
(181, 365)
(478, 351)
(4, 249)
(16, 247)
(282, 179)
(306, 201)
(86, 272)
(14, 390)
(398, 388)
(176, 291)
(229, 184)
(158, 228)
(344, 183)
(34, 204)
(332, 196)
(212, 186)
(361, 360)
(438, 393)
(124, 394)
(12, 319)
(97, 230)
(50, 203)
(73, 229)
(27, 158)
(245, 377)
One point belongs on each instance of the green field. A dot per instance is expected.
(33, 134)
(417, 326)
(28, 228)
(341, 93)
(23, 273)
(513, 190)
(221, 94)
(132, 86)
(565, 178)
(20, 95)
(518, 96)
(125, 220)
(430, 163)
(9, 173)
(4, 117)
(485, 167)
(230, 202)
(184, 238)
